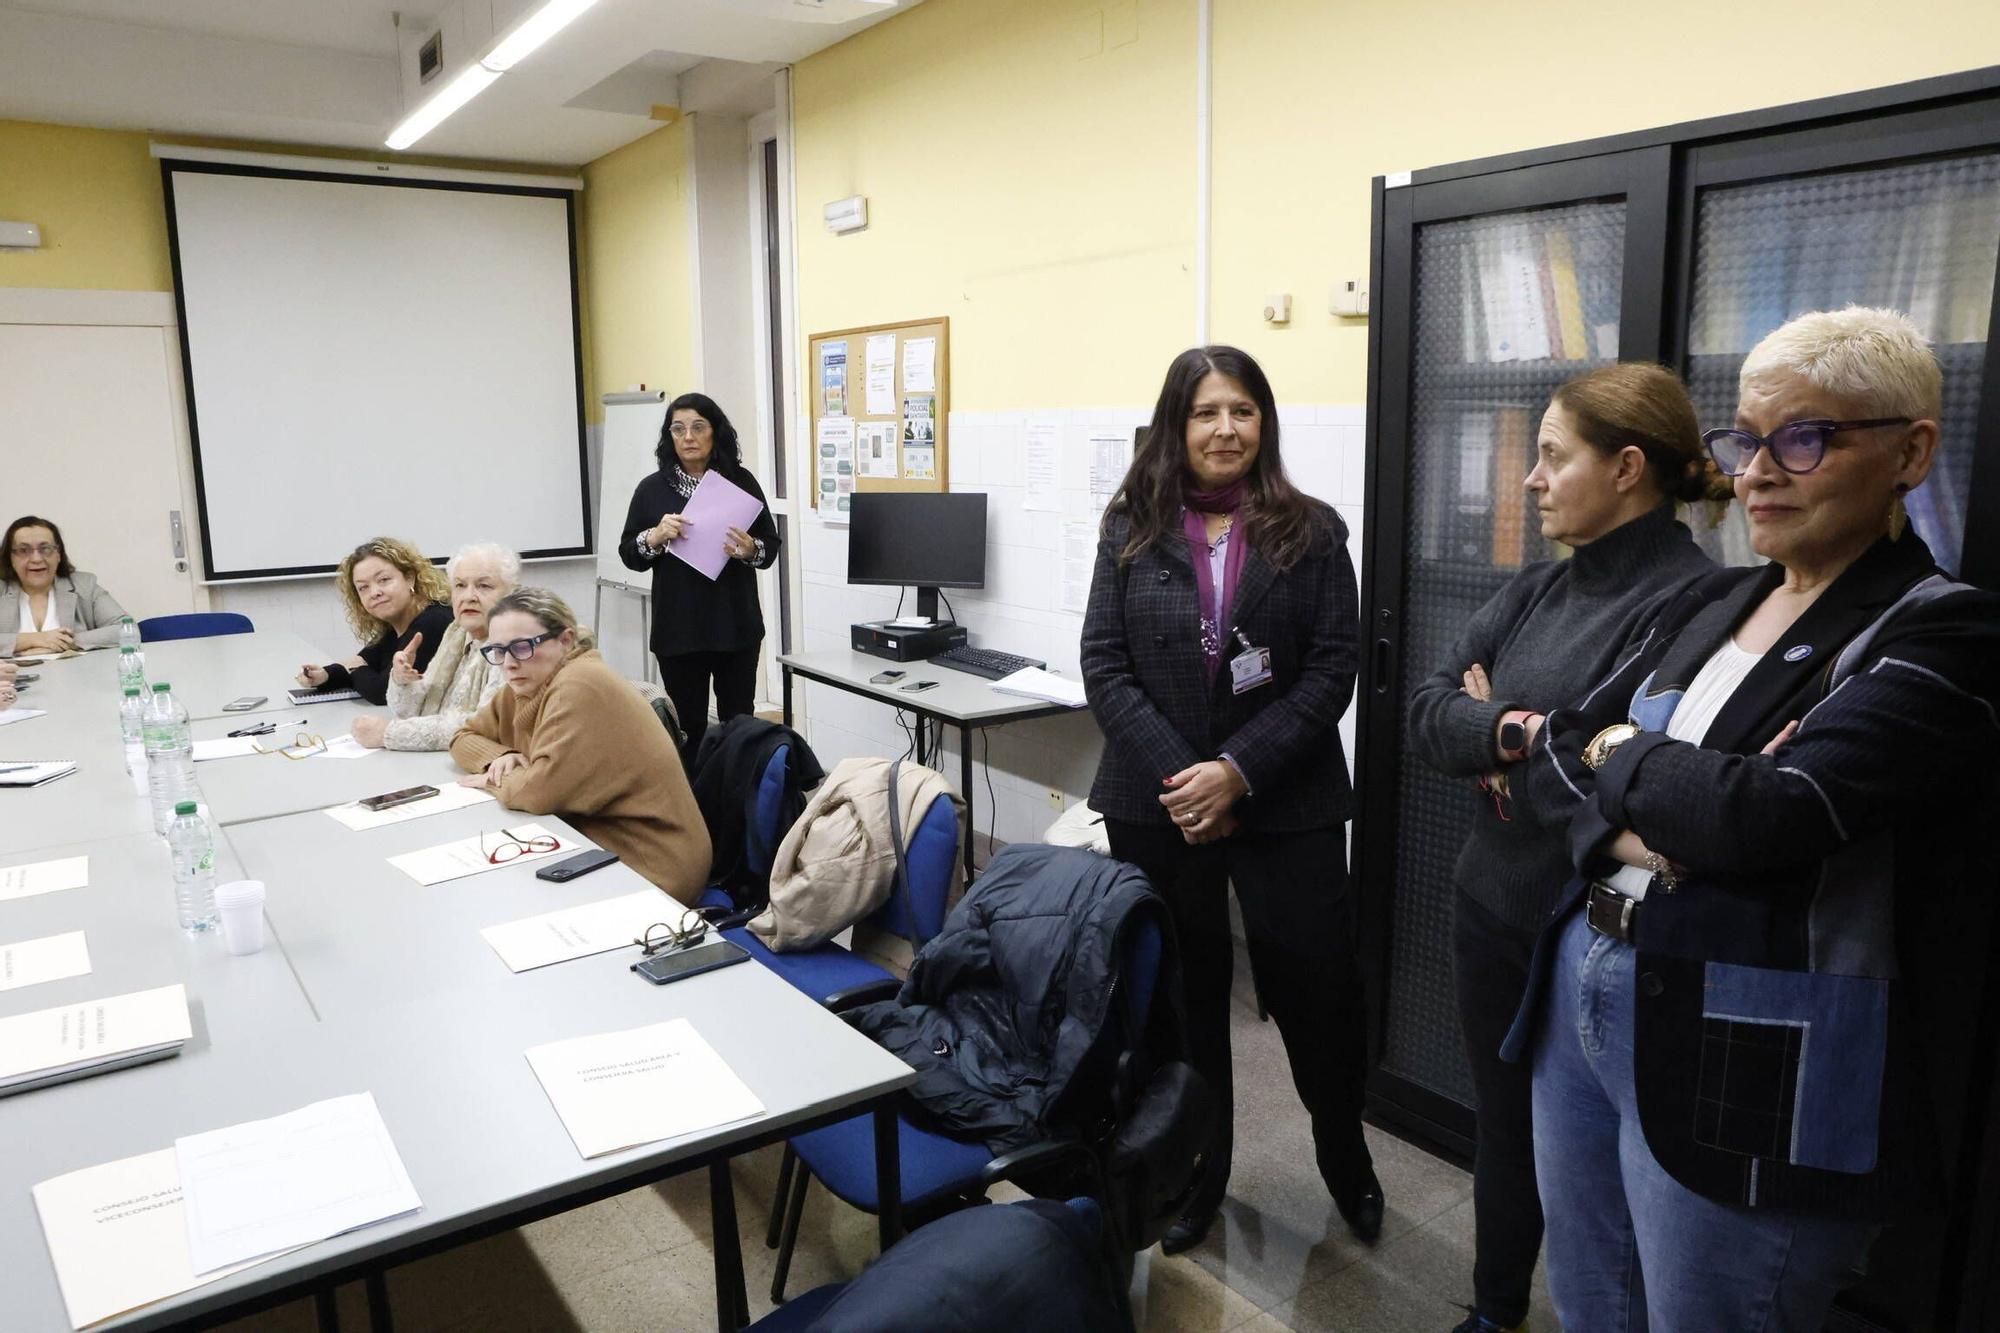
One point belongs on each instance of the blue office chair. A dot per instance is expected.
(1005, 1268)
(842, 1155)
(193, 625)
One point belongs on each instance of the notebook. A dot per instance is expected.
(322, 695)
(33, 772)
(91, 1037)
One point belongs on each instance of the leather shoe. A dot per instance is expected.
(1361, 1206)
(1186, 1232)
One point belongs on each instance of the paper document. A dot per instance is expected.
(875, 445)
(1110, 456)
(577, 932)
(34, 772)
(1079, 564)
(25, 881)
(881, 374)
(118, 1237)
(920, 365)
(450, 797)
(225, 747)
(618, 1089)
(50, 958)
(716, 506)
(70, 1040)
(8, 715)
(1035, 683)
(345, 747)
(276, 1184)
(1043, 453)
(474, 855)
(835, 438)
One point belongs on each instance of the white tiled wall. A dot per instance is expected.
(1019, 609)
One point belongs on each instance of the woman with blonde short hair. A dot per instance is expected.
(1730, 1090)
(392, 595)
(428, 706)
(569, 736)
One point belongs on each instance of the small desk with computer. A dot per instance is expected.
(925, 541)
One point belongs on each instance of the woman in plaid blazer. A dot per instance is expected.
(1219, 651)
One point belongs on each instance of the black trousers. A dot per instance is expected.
(1298, 920)
(1492, 965)
(686, 677)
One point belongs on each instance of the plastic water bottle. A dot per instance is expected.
(131, 667)
(194, 868)
(132, 729)
(169, 755)
(128, 632)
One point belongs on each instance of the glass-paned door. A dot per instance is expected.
(1920, 237)
(1508, 306)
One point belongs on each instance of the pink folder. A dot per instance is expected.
(715, 507)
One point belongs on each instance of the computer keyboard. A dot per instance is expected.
(984, 662)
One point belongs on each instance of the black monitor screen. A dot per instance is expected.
(917, 538)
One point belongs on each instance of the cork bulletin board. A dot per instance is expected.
(881, 398)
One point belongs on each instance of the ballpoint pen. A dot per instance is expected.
(263, 728)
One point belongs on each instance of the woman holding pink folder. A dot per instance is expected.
(706, 631)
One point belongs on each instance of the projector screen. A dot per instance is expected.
(376, 357)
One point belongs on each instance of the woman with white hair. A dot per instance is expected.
(1729, 1094)
(426, 708)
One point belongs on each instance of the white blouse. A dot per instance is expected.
(50, 620)
(1706, 694)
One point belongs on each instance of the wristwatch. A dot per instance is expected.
(1606, 742)
(1513, 737)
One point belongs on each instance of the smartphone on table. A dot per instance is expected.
(245, 704)
(389, 800)
(582, 863)
(689, 962)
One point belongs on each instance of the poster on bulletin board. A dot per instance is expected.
(881, 404)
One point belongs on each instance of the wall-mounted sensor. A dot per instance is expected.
(845, 215)
(1278, 309)
(1350, 298)
(20, 236)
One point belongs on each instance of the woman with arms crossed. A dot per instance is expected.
(1729, 1091)
(1218, 655)
(1617, 447)
(569, 736)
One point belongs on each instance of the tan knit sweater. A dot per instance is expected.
(595, 754)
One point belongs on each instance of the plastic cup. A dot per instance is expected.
(241, 906)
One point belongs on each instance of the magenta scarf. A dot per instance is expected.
(1228, 500)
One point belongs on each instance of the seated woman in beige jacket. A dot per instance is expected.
(569, 736)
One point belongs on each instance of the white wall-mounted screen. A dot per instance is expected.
(373, 357)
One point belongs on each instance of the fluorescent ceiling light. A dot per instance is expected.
(543, 24)
(450, 98)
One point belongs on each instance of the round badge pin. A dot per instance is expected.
(1798, 652)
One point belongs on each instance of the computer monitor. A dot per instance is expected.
(917, 539)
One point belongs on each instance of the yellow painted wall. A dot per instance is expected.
(96, 195)
(1028, 175)
(638, 275)
(1035, 182)
(1314, 98)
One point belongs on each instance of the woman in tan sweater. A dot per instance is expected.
(571, 737)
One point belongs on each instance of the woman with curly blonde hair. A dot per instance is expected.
(395, 599)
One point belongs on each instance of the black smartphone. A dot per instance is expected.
(691, 961)
(884, 677)
(582, 863)
(27, 677)
(245, 704)
(918, 686)
(389, 800)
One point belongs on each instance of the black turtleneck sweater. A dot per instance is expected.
(1545, 639)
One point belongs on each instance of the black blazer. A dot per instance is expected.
(1808, 876)
(690, 613)
(1148, 688)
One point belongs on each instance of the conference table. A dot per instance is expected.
(368, 982)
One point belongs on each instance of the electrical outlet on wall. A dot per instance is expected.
(1057, 801)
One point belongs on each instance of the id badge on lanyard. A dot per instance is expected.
(1249, 668)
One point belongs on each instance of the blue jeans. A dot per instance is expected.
(1629, 1247)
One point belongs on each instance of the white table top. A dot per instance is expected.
(370, 982)
(960, 696)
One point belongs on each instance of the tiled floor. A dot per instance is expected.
(1279, 1258)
